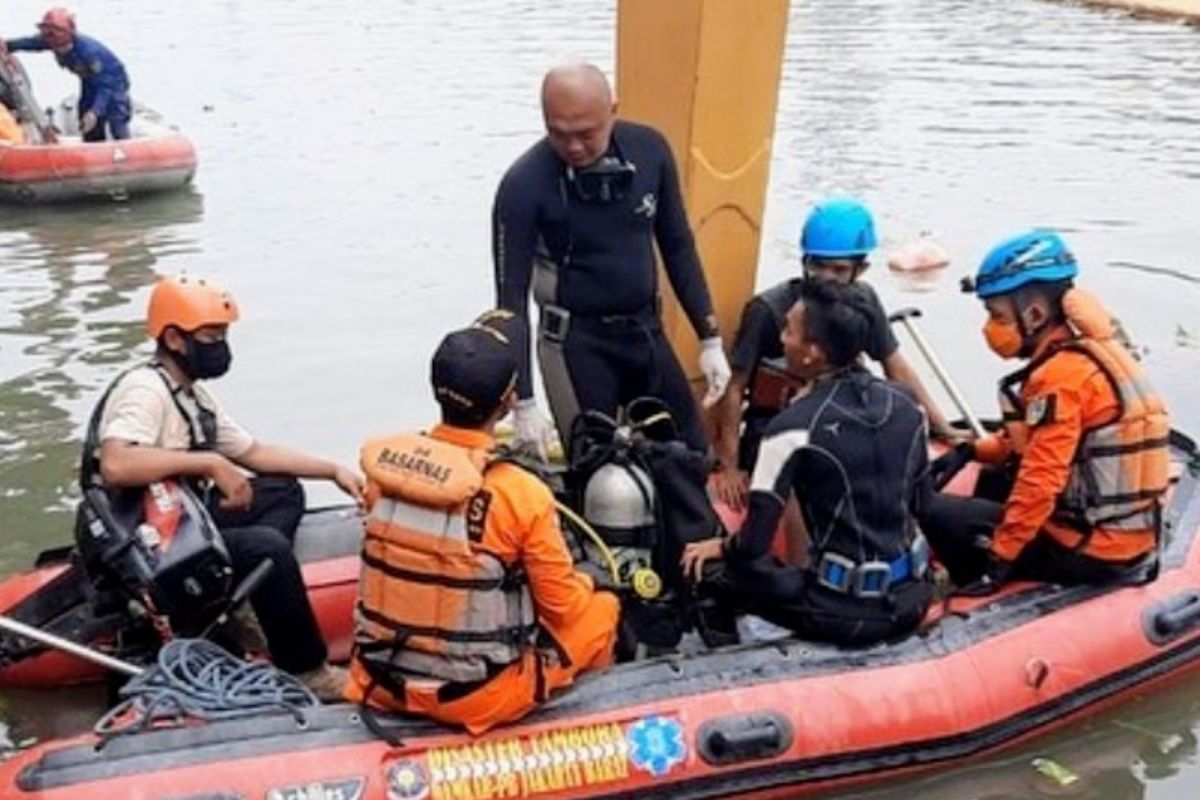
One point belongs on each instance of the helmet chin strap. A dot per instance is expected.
(1027, 334)
(182, 360)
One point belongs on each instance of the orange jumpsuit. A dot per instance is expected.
(520, 527)
(1064, 397)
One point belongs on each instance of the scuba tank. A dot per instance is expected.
(648, 489)
(619, 503)
(643, 491)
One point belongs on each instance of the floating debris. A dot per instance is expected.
(919, 255)
(1054, 771)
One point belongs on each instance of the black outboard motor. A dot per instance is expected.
(158, 550)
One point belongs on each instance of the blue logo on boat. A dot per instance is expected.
(656, 744)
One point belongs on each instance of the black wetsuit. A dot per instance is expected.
(853, 452)
(595, 261)
(762, 322)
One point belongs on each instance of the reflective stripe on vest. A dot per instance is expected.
(433, 602)
(1121, 468)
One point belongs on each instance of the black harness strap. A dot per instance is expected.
(202, 423)
(89, 463)
(475, 584)
(514, 635)
(380, 676)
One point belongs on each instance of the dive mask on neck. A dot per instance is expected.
(605, 181)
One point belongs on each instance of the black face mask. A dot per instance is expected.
(204, 360)
(606, 181)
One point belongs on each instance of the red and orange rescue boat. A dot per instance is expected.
(157, 158)
(768, 718)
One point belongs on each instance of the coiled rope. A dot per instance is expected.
(197, 679)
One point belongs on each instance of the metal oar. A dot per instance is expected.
(16, 628)
(243, 590)
(907, 318)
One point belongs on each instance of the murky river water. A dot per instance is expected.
(348, 158)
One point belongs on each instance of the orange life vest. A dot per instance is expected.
(1121, 468)
(10, 129)
(433, 603)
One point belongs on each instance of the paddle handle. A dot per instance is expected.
(907, 318)
(18, 628)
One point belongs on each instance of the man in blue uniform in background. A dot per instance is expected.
(104, 106)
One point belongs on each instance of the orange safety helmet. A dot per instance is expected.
(188, 304)
(57, 27)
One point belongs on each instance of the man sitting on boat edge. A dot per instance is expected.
(1085, 435)
(158, 421)
(836, 240)
(852, 447)
(470, 610)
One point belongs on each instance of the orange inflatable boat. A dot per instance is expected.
(771, 718)
(157, 158)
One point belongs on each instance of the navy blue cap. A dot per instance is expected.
(474, 368)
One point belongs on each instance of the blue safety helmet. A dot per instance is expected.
(840, 228)
(1039, 256)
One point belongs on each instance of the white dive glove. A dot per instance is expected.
(531, 427)
(715, 368)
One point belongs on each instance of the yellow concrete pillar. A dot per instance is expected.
(706, 74)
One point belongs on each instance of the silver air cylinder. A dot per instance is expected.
(618, 502)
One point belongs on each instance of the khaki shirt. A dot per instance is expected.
(140, 409)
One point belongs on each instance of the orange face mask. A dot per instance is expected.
(1003, 337)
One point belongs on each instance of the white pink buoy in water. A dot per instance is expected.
(918, 255)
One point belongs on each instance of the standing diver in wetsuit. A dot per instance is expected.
(576, 218)
(851, 447)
